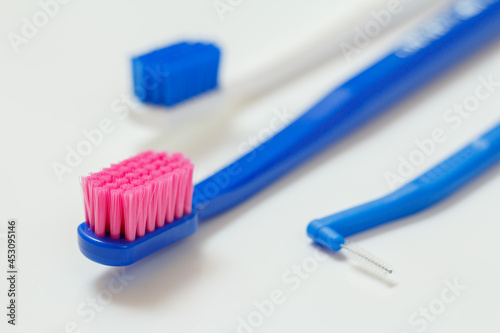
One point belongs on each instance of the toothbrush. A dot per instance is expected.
(423, 192)
(345, 109)
(185, 77)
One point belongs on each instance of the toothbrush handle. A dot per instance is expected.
(425, 191)
(421, 58)
(324, 44)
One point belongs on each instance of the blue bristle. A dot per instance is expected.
(176, 73)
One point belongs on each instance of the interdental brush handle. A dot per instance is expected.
(423, 192)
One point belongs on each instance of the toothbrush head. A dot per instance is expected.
(136, 207)
(176, 73)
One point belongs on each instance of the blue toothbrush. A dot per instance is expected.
(438, 46)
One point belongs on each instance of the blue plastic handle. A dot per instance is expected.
(441, 43)
(423, 192)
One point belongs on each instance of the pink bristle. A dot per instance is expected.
(121, 181)
(157, 164)
(130, 176)
(123, 189)
(172, 197)
(115, 174)
(181, 193)
(152, 209)
(86, 199)
(161, 156)
(138, 195)
(164, 184)
(188, 202)
(101, 195)
(150, 167)
(130, 214)
(142, 209)
(89, 185)
(109, 187)
(177, 157)
(115, 213)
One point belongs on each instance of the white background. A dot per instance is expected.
(65, 80)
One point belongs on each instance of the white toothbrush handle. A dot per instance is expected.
(313, 50)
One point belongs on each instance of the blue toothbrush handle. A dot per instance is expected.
(421, 58)
(425, 191)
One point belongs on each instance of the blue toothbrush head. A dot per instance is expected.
(176, 73)
(120, 252)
